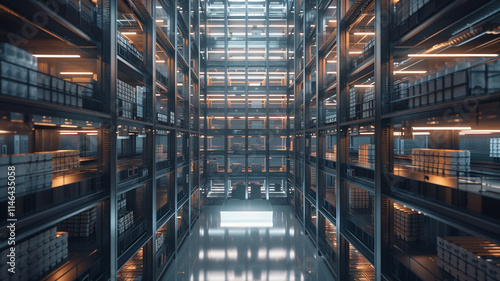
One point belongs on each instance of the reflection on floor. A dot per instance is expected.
(213, 253)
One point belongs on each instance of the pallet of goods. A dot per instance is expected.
(359, 198)
(37, 256)
(17, 67)
(469, 258)
(408, 223)
(445, 162)
(80, 225)
(33, 171)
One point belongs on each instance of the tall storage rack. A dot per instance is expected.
(100, 106)
(246, 100)
(376, 83)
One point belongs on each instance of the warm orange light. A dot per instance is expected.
(440, 128)
(450, 55)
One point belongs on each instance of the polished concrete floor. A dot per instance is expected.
(278, 253)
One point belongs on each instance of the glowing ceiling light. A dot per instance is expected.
(76, 73)
(128, 33)
(439, 128)
(364, 33)
(479, 132)
(364, 86)
(450, 55)
(410, 72)
(56, 56)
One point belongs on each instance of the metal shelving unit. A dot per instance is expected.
(379, 100)
(102, 81)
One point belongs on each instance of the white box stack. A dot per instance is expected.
(162, 118)
(495, 147)
(368, 102)
(38, 255)
(65, 160)
(354, 99)
(127, 99)
(469, 258)
(359, 198)
(446, 162)
(140, 94)
(123, 42)
(125, 218)
(80, 225)
(366, 153)
(160, 239)
(15, 65)
(408, 223)
(33, 171)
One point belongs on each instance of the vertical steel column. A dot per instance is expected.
(246, 102)
(174, 81)
(342, 262)
(288, 131)
(226, 123)
(382, 47)
(303, 102)
(268, 148)
(317, 69)
(189, 138)
(150, 61)
(197, 95)
(110, 70)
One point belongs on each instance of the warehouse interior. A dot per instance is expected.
(369, 128)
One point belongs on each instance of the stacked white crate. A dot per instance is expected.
(140, 94)
(80, 225)
(37, 256)
(32, 171)
(162, 118)
(125, 218)
(407, 223)
(127, 99)
(469, 258)
(441, 161)
(352, 102)
(495, 147)
(160, 239)
(368, 102)
(14, 72)
(359, 198)
(128, 46)
(65, 160)
(366, 153)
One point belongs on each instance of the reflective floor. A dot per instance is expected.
(280, 253)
